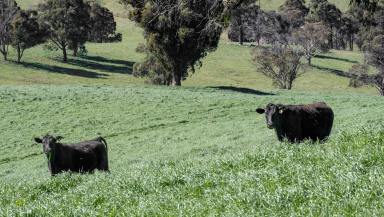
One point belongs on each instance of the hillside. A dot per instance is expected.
(112, 64)
(188, 151)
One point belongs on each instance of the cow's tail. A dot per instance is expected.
(101, 139)
(104, 165)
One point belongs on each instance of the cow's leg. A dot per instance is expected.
(103, 163)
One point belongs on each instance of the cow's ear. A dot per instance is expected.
(59, 138)
(281, 110)
(38, 140)
(260, 110)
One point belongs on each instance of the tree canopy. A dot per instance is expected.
(67, 23)
(179, 33)
(25, 31)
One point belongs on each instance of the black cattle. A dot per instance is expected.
(299, 122)
(81, 157)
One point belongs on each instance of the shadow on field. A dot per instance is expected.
(336, 58)
(334, 71)
(63, 70)
(242, 90)
(106, 60)
(124, 67)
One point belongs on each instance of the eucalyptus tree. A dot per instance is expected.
(67, 22)
(25, 32)
(179, 33)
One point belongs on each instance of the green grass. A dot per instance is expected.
(188, 151)
(275, 4)
(196, 150)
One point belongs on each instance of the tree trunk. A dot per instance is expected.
(75, 50)
(331, 39)
(289, 85)
(176, 79)
(4, 52)
(18, 54)
(64, 54)
(241, 35)
(309, 61)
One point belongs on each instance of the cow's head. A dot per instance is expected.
(49, 144)
(273, 114)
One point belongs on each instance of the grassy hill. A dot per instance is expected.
(188, 151)
(196, 150)
(112, 63)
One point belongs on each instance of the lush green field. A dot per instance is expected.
(196, 150)
(188, 151)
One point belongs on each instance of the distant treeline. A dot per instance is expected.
(180, 33)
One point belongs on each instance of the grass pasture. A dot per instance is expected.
(188, 152)
(196, 150)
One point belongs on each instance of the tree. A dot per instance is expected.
(329, 14)
(151, 68)
(359, 75)
(103, 25)
(294, 11)
(281, 63)
(25, 32)
(240, 17)
(349, 29)
(312, 37)
(269, 26)
(258, 25)
(67, 22)
(375, 57)
(178, 33)
(8, 8)
(369, 5)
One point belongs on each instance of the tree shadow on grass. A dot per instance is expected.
(63, 70)
(336, 58)
(242, 90)
(106, 60)
(334, 71)
(122, 69)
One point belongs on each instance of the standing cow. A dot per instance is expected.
(81, 157)
(299, 122)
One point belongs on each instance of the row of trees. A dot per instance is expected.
(66, 24)
(251, 24)
(179, 33)
(297, 31)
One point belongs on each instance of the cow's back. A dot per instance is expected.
(318, 122)
(83, 156)
(313, 121)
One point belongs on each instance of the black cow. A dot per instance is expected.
(299, 122)
(81, 157)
